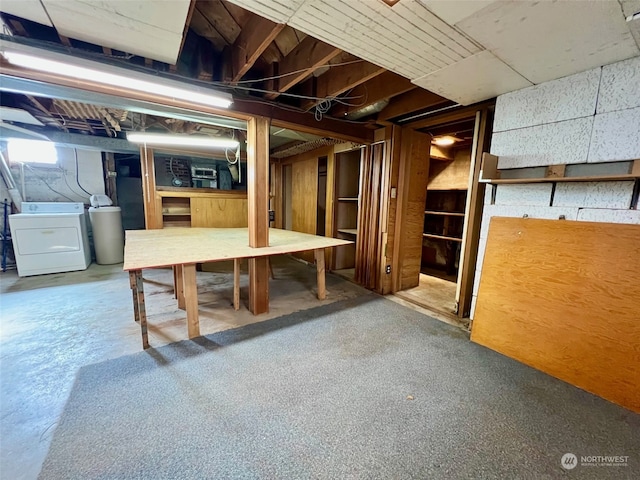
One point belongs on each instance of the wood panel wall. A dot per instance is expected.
(219, 212)
(563, 297)
(412, 190)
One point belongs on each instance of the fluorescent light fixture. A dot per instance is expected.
(104, 75)
(444, 141)
(31, 151)
(182, 140)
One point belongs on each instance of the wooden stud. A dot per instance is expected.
(236, 284)
(179, 286)
(190, 287)
(322, 290)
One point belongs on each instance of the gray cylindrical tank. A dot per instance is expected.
(108, 236)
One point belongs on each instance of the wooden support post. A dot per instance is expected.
(191, 299)
(135, 277)
(258, 210)
(236, 284)
(179, 286)
(152, 208)
(322, 290)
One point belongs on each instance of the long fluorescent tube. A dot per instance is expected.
(78, 72)
(181, 140)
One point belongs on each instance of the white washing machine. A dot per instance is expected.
(50, 237)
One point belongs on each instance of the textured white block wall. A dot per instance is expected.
(593, 194)
(609, 216)
(620, 86)
(616, 136)
(563, 99)
(519, 211)
(533, 194)
(550, 144)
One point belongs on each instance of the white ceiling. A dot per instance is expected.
(129, 25)
(438, 43)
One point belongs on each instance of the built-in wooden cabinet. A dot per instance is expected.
(189, 207)
(443, 227)
(347, 190)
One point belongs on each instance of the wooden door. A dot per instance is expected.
(304, 199)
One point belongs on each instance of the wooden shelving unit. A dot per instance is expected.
(346, 205)
(176, 212)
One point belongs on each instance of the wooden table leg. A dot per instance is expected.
(191, 299)
(179, 285)
(139, 302)
(236, 284)
(134, 291)
(322, 292)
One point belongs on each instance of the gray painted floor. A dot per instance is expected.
(52, 325)
(463, 411)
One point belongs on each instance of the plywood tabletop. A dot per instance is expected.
(175, 246)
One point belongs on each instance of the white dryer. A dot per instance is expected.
(50, 237)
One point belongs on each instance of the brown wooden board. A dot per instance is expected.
(564, 298)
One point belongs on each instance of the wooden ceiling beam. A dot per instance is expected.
(341, 79)
(203, 27)
(409, 102)
(254, 39)
(302, 61)
(382, 87)
(305, 122)
(453, 115)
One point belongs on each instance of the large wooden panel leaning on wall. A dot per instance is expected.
(189, 207)
(562, 297)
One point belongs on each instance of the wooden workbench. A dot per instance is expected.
(183, 248)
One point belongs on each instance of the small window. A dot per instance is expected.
(32, 151)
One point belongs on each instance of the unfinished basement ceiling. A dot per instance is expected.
(432, 42)
(135, 26)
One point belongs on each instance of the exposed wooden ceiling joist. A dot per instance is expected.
(303, 59)
(216, 13)
(255, 37)
(382, 87)
(410, 102)
(341, 79)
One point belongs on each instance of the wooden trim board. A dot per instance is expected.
(563, 297)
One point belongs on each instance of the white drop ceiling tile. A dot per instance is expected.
(476, 78)
(541, 145)
(593, 194)
(527, 194)
(616, 136)
(453, 12)
(563, 99)
(548, 40)
(279, 11)
(355, 20)
(609, 216)
(103, 24)
(29, 9)
(8, 114)
(620, 86)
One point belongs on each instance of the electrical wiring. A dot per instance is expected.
(295, 72)
(75, 155)
(46, 183)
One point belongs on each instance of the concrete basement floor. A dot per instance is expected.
(54, 324)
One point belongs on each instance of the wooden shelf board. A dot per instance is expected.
(348, 199)
(441, 237)
(348, 231)
(448, 214)
(199, 192)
